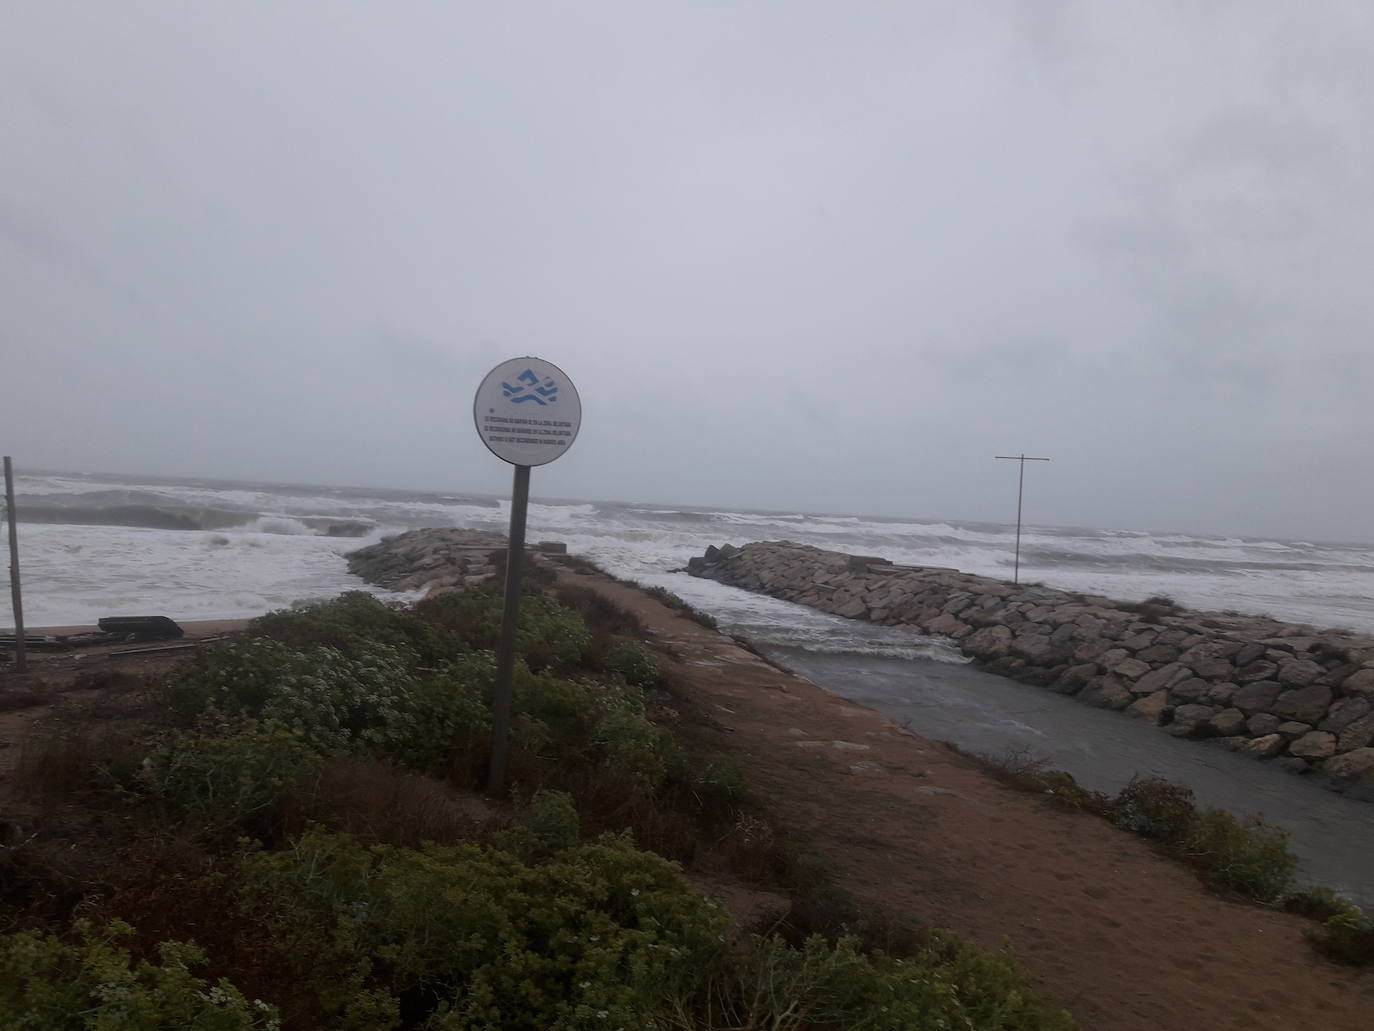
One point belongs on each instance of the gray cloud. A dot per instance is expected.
(794, 254)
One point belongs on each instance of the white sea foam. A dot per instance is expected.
(76, 573)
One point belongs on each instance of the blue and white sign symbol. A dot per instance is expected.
(528, 388)
(527, 411)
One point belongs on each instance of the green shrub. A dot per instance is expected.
(1347, 936)
(550, 824)
(948, 984)
(231, 771)
(445, 713)
(48, 984)
(1251, 856)
(590, 726)
(720, 785)
(337, 702)
(1153, 807)
(354, 621)
(633, 664)
(600, 935)
(547, 634)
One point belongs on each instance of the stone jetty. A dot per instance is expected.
(437, 559)
(1301, 697)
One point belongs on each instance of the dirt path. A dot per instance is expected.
(1126, 939)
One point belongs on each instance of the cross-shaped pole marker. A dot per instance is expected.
(1020, 488)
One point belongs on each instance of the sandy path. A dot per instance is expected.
(1126, 939)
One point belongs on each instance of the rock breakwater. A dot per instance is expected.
(1296, 695)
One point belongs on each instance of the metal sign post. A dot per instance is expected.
(20, 660)
(527, 413)
(1020, 486)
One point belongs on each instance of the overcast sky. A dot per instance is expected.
(816, 254)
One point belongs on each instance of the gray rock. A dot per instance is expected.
(1139, 641)
(948, 625)
(1358, 734)
(1032, 646)
(1262, 724)
(1248, 654)
(1220, 694)
(1257, 697)
(1351, 766)
(1291, 730)
(1306, 704)
(1112, 656)
(1210, 660)
(993, 642)
(1164, 677)
(1191, 720)
(1359, 683)
(1317, 744)
(1263, 747)
(1343, 712)
(1260, 669)
(1228, 723)
(1107, 693)
(854, 609)
(1158, 653)
(1191, 690)
(1296, 672)
(1293, 764)
(1131, 669)
(1152, 708)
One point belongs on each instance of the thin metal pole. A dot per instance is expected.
(20, 659)
(505, 648)
(1020, 492)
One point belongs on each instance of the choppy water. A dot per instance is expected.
(200, 548)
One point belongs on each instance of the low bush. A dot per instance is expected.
(46, 983)
(547, 634)
(231, 772)
(354, 622)
(1250, 856)
(1347, 936)
(600, 935)
(632, 662)
(1153, 807)
(836, 984)
(336, 701)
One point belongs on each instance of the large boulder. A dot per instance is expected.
(1228, 723)
(1345, 711)
(1192, 720)
(1263, 747)
(1162, 678)
(1305, 704)
(1257, 697)
(1211, 660)
(1361, 682)
(1260, 669)
(1358, 734)
(1107, 693)
(1298, 672)
(992, 642)
(1316, 744)
(1351, 766)
(1152, 708)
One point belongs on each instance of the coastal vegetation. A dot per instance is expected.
(288, 832)
(1245, 858)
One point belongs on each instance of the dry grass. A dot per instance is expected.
(379, 803)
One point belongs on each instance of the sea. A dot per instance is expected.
(100, 545)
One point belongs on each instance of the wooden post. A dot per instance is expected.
(20, 659)
(502, 694)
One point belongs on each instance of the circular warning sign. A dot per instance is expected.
(527, 411)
